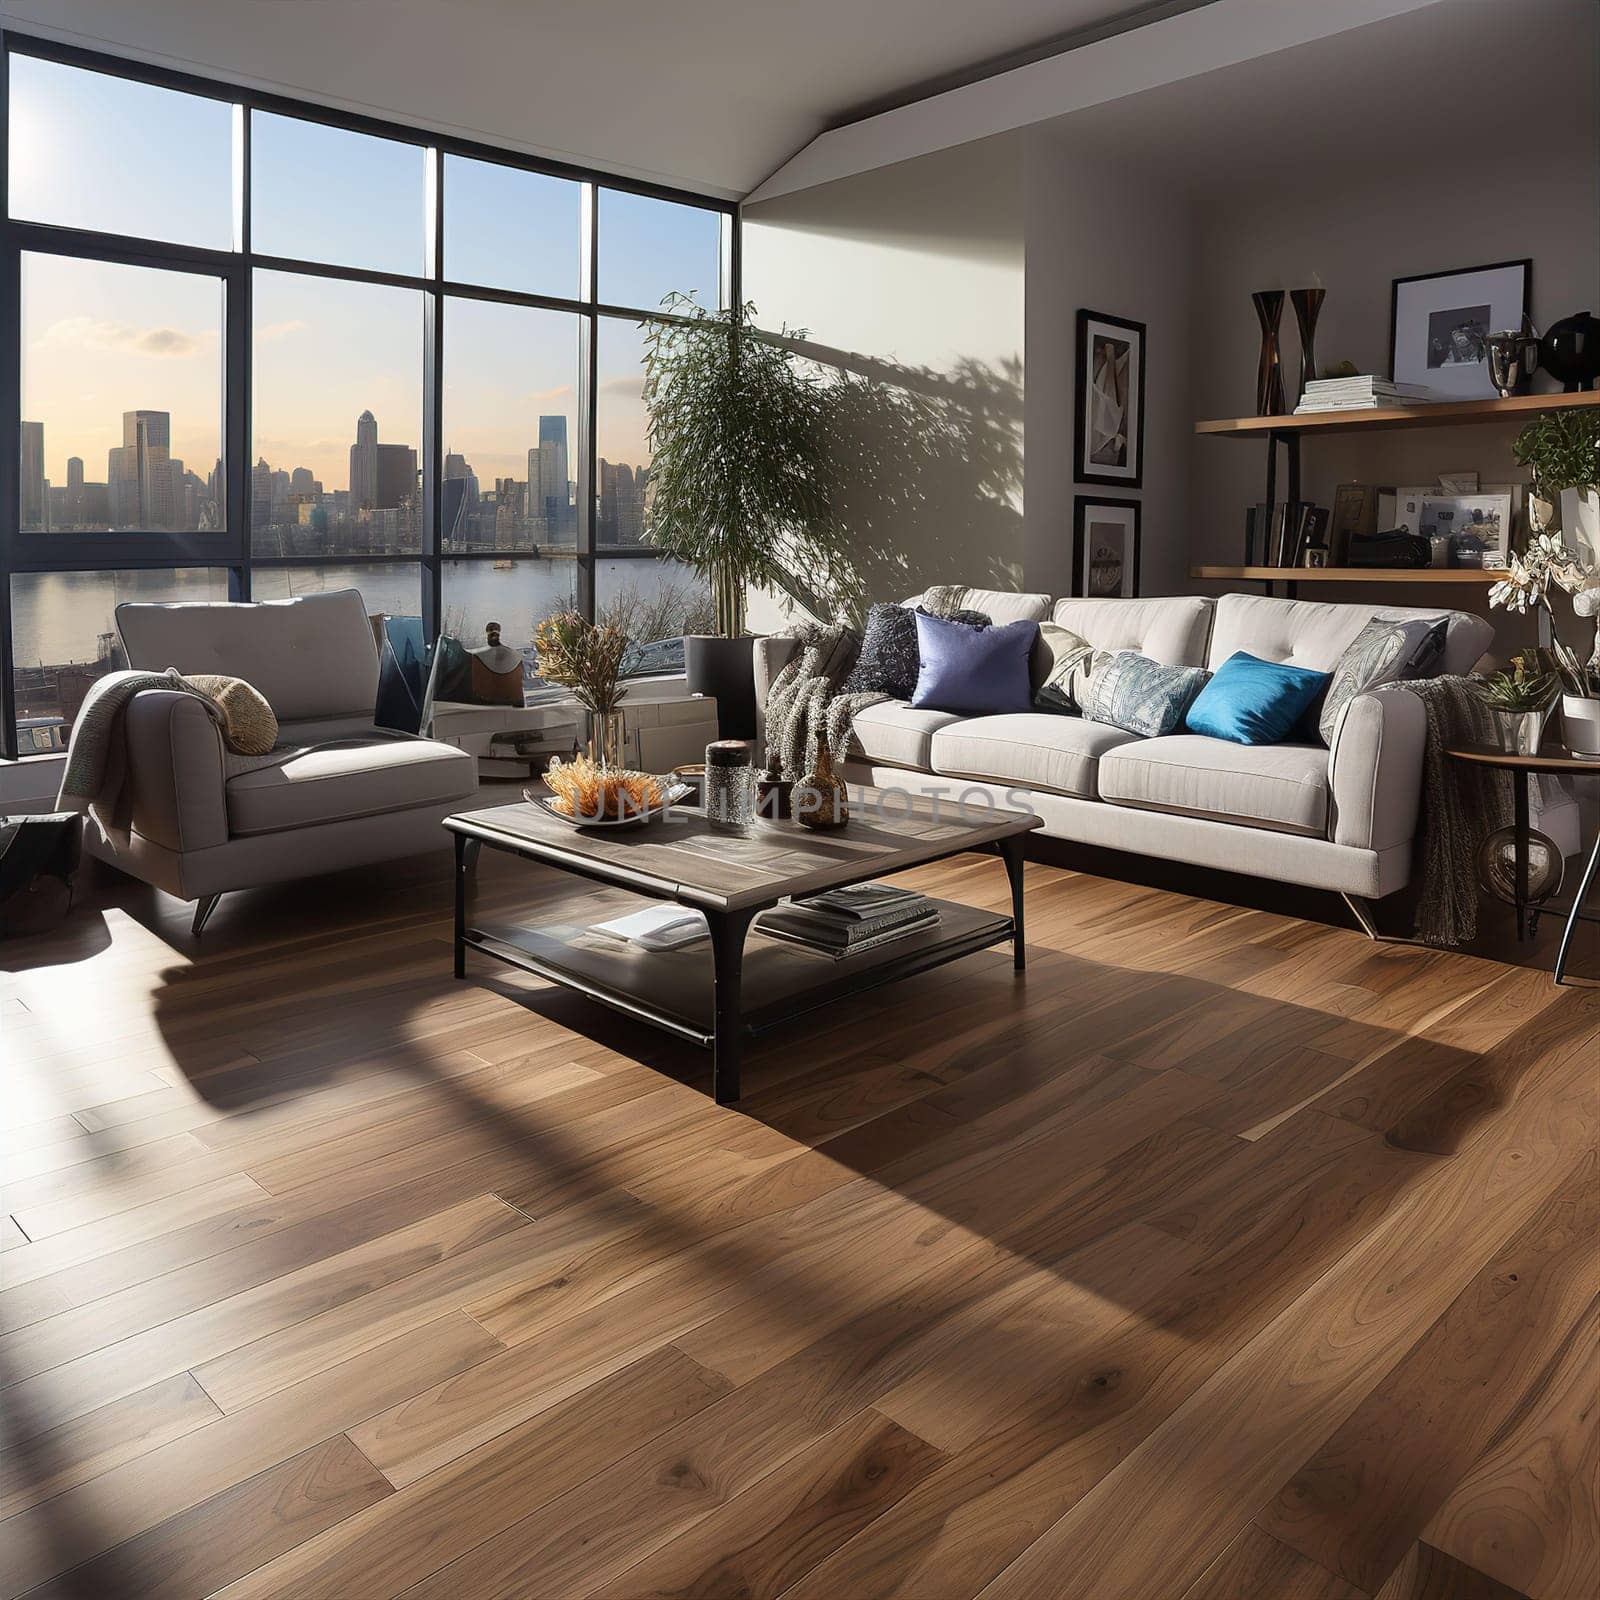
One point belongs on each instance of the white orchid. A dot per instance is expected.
(1547, 563)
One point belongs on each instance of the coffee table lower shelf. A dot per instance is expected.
(675, 989)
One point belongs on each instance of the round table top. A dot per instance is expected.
(1552, 758)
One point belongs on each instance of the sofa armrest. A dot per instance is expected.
(175, 774)
(1375, 770)
(772, 652)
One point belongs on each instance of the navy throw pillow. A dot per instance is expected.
(1250, 701)
(976, 671)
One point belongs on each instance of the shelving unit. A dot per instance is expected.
(1288, 431)
(1433, 575)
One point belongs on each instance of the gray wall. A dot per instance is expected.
(911, 277)
(1116, 240)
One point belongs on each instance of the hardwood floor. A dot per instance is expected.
(1220, 1256)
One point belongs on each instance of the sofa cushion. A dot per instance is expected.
(1173, 628)
(1140, 695)
(895, 734)
(975, 671)
(1387, 650)
(1038, 750)
(1059, 668)
(1312, 634)
(887, 660)
(1251, 701)
(312, 656)
(334, 783)
(998, 605)
(1278, 786)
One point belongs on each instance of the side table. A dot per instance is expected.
(1555, 762)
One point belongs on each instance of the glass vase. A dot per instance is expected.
(607, 740)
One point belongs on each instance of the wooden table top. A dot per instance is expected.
(682, 857)
(1550, 759)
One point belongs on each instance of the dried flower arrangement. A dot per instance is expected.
(586, 791)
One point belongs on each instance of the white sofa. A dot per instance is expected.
(1341, 819)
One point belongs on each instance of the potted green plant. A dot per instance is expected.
(738, 477)
(1521, 700)
(1561, 450)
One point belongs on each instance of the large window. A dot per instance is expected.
(263, 349)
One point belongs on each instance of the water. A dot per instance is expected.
(59, 617)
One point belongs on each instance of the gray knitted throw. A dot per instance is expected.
(804, 704)
(1462, 804)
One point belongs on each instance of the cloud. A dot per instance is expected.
(97, 335)
(560, 392)
(623, 386)
(274, 331)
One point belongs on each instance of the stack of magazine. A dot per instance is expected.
(1366, 393)
(842, 922)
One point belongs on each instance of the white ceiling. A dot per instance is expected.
(706, 94)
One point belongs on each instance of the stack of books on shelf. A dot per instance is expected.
(1360, 394)
(842, 922)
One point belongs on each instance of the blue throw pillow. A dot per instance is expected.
(977, 671)
(1250, 701)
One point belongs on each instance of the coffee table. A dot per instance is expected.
(744, 985)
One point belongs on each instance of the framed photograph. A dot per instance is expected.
(1105, 546)
(1476, 526)
(1109, 447)
(1438, 324)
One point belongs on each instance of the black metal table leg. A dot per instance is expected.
(1011, 852)
(461, 905)
(1519, 790)
(727, 1044)
(1575, 915)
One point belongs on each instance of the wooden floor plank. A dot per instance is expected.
(1528, 1512)
(354, 1280)
(1364, 1499)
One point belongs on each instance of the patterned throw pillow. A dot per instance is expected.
(1061, 666)
(249, 727)
(1142, 696)
(1387, 650)
(888, 661)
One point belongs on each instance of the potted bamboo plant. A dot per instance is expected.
(738, 476)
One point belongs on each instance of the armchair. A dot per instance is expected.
(344, 793)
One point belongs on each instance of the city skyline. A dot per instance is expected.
(295, 512)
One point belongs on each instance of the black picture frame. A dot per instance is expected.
(1084, 468)
(1082, 504)
(1524, 264)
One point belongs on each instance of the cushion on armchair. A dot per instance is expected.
(249, 727)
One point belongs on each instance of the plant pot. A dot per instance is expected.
(1580, 724)
(726, 670)
(607, 739)
(1580, 521)
(1520, 731)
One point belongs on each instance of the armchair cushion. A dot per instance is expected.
(357, 778)
(248, 725)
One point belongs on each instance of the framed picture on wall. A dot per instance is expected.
(1109, 385)
(1438, 324)
(1105, 546)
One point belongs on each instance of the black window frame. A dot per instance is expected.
(231, 548)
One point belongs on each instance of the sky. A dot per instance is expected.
(98, 152)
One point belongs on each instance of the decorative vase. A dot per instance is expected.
(1513, 357)
(1521, 731)
(1497, 866)
(1580, 519)
(1307, 305)
(1570, 351)
(820, 797)
(1580, 724)
(1269, 375)
(607, 739)
(724, 670)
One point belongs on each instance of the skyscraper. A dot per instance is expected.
(548, 509)
(364, 463)
(139, 476)
(33, 499)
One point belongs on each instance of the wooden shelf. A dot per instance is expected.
(1441, 414)
(1377, 575)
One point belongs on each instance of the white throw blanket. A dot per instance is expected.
(94, 782)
